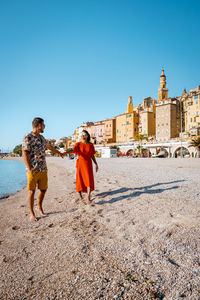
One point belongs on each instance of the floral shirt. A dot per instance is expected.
(36, 148)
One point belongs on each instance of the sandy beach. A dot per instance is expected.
(140, 239)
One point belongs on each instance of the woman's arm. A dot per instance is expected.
(54, 150)
(95, 162)
(69, 151)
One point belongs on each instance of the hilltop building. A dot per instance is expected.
(110, 130)
(147, 117)
(167, 114)
(127, 124)
(191, 112)
(97, 132)
(130, 105)
(163, 90)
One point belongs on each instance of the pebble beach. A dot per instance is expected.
(140, 239)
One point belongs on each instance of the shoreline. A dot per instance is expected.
(5, 196)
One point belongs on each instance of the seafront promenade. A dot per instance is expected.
(140, 239)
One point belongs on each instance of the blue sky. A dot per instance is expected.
(75, 61)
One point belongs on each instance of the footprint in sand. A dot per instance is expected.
(73, 210)
(15, 227)
(99, 211)
(92, 222)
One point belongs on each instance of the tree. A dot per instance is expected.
(140, 138)
(18, 150)
(196, 144)
(114, 147)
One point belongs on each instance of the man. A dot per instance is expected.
(34, 146)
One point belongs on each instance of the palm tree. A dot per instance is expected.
(196, 144)
(140, 138)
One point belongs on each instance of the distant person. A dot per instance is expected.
(34, 146)
(84, 170)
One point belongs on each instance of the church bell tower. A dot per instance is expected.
(163, 90)
(130, 105)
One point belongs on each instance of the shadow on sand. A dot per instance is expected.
(137, 191)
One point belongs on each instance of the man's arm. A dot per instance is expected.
(54, 150)
(26, 159)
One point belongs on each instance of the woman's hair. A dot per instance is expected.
(88, 135)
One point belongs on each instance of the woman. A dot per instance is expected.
(84, 170)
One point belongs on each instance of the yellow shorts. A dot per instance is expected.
(37, 178)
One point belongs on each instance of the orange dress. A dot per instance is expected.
(84, 169)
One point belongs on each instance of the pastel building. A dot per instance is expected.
(147, 117)
(191, 111)
(168, 120)
(167, 114)
(110, 130)
(127, 124)
(97, 132)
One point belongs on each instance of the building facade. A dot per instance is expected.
(163, 90)
(147, 117)
(97, 132)
(191, 112)
(167, 120)
(126, 127)
(110, 130)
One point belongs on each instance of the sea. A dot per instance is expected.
(12, 177)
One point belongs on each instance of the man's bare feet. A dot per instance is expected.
(40, 210)
(33, 218)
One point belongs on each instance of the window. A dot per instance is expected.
(167, 123)
(197, 113)
(196, 96)
(196, 101)
(162, 124)
(191, 120)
